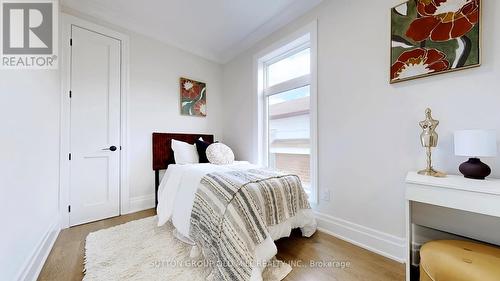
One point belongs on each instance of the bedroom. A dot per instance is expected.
(361, 137)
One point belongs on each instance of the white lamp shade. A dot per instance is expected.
(476, 143)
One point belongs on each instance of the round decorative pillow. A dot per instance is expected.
(220, 154)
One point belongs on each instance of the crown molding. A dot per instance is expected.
(112, 16)
(290, 14)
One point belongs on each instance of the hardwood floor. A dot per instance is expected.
(65, 261)
(323, 249)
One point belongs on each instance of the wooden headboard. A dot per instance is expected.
(163, 155)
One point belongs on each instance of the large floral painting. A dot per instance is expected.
(193, 98)
(434, 36)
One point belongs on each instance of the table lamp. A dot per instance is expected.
(475, 144)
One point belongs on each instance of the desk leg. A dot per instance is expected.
(408, 240)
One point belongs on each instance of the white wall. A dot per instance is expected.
(29, 164)
(154, 105)
(368, 129)
(155, 70)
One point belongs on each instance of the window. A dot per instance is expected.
(289, 132)
(288, 111)
(292, 66)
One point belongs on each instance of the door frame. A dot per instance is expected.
(65, 69)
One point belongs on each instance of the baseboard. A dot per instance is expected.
(141, 203)
(35, 263)
(384, 244)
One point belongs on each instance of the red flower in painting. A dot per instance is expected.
(200, 107)
(190, 90)
(443, 20)
(417, 62)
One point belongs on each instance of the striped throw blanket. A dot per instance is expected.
(231, 213)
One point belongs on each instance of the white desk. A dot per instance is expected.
(455, 192)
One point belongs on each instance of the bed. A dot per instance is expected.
(264, 204)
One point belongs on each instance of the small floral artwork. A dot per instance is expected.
(434, 36)
(193, 98)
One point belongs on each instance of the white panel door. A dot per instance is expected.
(95, 127)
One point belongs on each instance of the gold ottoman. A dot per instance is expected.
(450, 260)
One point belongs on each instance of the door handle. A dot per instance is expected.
(111, 148)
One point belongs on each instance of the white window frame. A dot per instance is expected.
(300, 40)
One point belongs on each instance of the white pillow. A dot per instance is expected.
(220, 154)
(184, 153)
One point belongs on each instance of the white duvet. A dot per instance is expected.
(176, 196)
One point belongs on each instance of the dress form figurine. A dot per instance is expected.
(429, 139)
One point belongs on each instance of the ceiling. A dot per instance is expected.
(214, 29)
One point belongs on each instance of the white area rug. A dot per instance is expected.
(139, 250)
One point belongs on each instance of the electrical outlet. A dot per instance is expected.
(325, 195)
